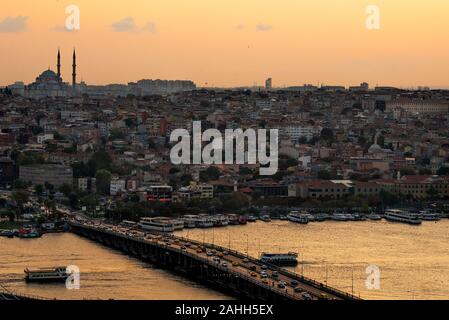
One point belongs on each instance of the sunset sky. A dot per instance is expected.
(230, 42)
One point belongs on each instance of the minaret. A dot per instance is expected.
(74, 70)
(59, 64)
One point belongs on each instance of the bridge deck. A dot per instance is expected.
(237, 264)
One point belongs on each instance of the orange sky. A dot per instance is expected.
(231, 42)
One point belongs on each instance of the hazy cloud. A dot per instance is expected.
(13, 24)
(264, 27)
(62, 29)
(129, 25)
(149, 27)
(239, 26)
(124, 25)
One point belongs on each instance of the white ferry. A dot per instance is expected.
(220, 221)
(374, 217)
(204, 221)
(429, 216)
(342, 217)
(157, 225)
(296, 217)
(57, 274)
(279, 259)
(396, 215)
(190, 221)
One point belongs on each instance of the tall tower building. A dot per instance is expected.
(59, 64)
(74, 69)
(269, 84)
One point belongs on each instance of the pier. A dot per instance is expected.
(233, 272)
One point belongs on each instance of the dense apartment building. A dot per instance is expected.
(54, 174)
(419, 106)
(419, 187)
(297, 131)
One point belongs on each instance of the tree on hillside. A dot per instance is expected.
(103, 179)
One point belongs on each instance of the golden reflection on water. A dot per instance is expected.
(413, 260)
(105, 273)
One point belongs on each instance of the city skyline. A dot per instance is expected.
(228, 44)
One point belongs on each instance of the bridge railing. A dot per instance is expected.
(232, 272)
(199, 258)
(309, 281)
(282, 271)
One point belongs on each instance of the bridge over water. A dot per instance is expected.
(235, 273)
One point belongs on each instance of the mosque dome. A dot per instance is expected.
(375, 148)
(48, 75)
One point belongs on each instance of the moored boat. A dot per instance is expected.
(280, 259)
(157, 225)
(56, 274)
(395, 215)
(7, 233)
(297, 218)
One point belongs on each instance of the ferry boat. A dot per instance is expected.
(359, 217)
(157, 225)
(297, 218)
(28, 233)
(374, 217)
(233, 219)
(320, 217)
(190, 221)
(395, 215)
(57, 274)
(220, 221)
(429, 216)
(204, 221)
(6, 233)
(340, 217)
(251, 219)
(280, 259)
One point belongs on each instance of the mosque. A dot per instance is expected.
(50, 84)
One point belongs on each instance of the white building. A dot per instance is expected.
(297, 131)
(117, 186)
(44, 137)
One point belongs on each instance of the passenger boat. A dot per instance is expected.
(157, 225)
(280, 259)
(57, 274)
(204, 221)
(429, 216)
(251, 219)
(374, 217)
(320, 217)
(359, 217)
(7, 233)
(395, 215)
(190, 221)
(297, 218)
(28, 233)
(233, 219)
(339, 217)
(220, 221)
